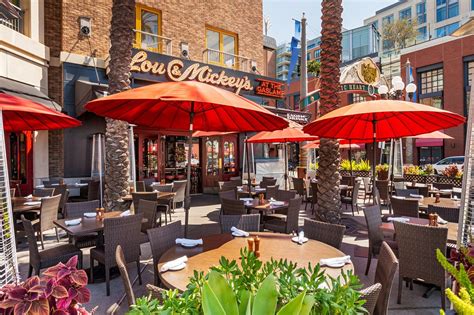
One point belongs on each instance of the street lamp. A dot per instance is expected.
(411, 89)
(396, 91)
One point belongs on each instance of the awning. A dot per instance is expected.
(86, 91)
(429, 142)
(27, 91)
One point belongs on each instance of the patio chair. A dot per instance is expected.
(423, 190)
(140, 186)
(161, 239)
(331, 234)
(231, 206)
(268, 178)
(417, 246)
(227, 194)
(48, 213)
(406, 192)
(267, 182)
(383, 188)
(162, 188)
(405, 207)
(371, 295)
(246, 222)
(387, 265)
(123, 231)
(290, 223)
(352, 200)
(64, 192)
(77, 210)
(272, 191)
(285, 195)
(367, 188)
(43, 192)
(313, 197)
(236, 181)
(299, 186)
(148, 182)
(226, 186)
(443, 186)
(16, 184)
(376, 237)
(179, 187)
(122, 266)
(93, 190)
(148, 209)
(136, 197)
(448, 214)
(49, 257)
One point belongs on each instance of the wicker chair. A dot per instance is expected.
(407, 192)
(387, 265)
(162, 239)
(140, 186)
(123, 231)
(417, 246)
(122, 266)
(367, 188)
(246, 222)
(352, 200)
(49, 257)
(448, 214)
(62, 190)
(179, 187)
(376, 237)
(443, 186)
(327, 233)
(423, 190)
(272, 191)
(93, 190)
(405, 207)
(77, 210)
(16, 184)
(313, 198)
(290, 223)
(48, 213)
(285, 195)
(162, 188)
(382, 187)
(268, 182)
(230, 206)
(371, 295)
(299, 186)
(148, 209)
(43, 192)
(227, 194)
(136, 197)
(236, 181)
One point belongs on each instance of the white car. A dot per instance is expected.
(441, 165)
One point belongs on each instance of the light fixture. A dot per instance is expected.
(411, 88)
(396, 79)
(399, 86)
(383, 89)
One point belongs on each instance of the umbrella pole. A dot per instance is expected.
(392, 158)
(374, 156)
(286, 167)
(247, 157)
(350, 158)
(187, 200)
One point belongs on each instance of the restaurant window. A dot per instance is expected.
(18, 157)
(212, 151)
(150, 157)
(429, 155)
(446, 9)
(431, 84)
(148, 29)
(229, 157)
(421, 12)
(357, 98)
(222, 47)
(405, 14)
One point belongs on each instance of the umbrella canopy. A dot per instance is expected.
(433, 135)
(198, 134)
(343, 144)
(392, 119)
(294, 133)
(168, 106)
(20, 114)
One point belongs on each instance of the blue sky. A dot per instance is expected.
(281, 13)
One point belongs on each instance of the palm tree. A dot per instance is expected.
(116, 134)
(329, 200)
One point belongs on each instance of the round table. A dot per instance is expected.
(272, 245)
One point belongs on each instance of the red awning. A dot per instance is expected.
(429, 142)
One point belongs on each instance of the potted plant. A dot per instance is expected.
(382, 171)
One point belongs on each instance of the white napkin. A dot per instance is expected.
(32, 203)
(446, 190)
(29, 196)
(441, 220)
(188, 241)
(90, 214)
(404, 220)
(173, 263)
(301, 237)
(125, 213)
(336, 260)
(238, 232)
(416, 196)
(272, 199)
(399, 197)
(73, 222)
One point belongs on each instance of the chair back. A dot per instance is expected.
(366, 181)
(267, 178)
(162, 188)
(355, 192)
(407, 192)
(148, 182)
(374, 220)
(148, 209)
(236, 181)
(285, 195)
(136, 197)
(77, 209)
(49, 212)
(268, 182)
(43, 192)
(331, 234)
(314, 192)
(246, 222)
(346, 180)
(16, 184)
(443, 186)
(272, 191)
(382, 186)
(84, 190)
(417, 246)
(12, 192)
(227, 194)
(448, 214)
(371, 295)
(232, 206)
(423, 190)
(122, 266)
(32, 244)
(293, 215)
(387, 265)
(179, 187)
(298, 185)
(405, 207)
(226, 186)
(140, 186)
(123, 231)
(62, 190)
(93, 191)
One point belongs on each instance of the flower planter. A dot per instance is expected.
(430, 179)
(355, 173)
(457, 182)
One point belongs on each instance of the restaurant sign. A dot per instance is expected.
(151, 66)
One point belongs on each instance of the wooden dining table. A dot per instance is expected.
(19, 206)
(160, 194)
(272, 246)
(264, 208)
(443, 202)
(87, 225)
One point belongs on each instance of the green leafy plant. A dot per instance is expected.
(363, 166)
(382, 171)
(313, 166)
(346, 165)
(428, 169)
(412, 170)
(254, 287)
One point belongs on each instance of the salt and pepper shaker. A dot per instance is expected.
(433, 219)
(260, 199)
(413, 183)
(256, 241)
(437, 195)
(250, 243)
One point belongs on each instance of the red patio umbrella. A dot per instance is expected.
(187, 106)
(380, 120)
(343, 144)
(19, 114)
(433, 135)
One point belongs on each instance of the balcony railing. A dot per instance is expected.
(224, 59)
(13, 20)
(153, 42)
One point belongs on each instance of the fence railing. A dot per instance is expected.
(153, 42)
(227, 60)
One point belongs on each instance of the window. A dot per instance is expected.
(317, 54)
(422, 34)
(212, 157)
(229, 157)
(472, 5)
(432, 81)
(308, 56)
(296, 101)
(387, 20)
(405, 14)
(470, 72)
(468, 83)
(447, 29)
(148, 29)
(360, 43)
(387, 44)
(376, 24)
(222, 47)
(446, 9)
(430, 155)
(421, 12)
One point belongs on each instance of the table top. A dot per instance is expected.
(272, 245)
(19, 206)
(452, 227)
(161, 195)
(267, 207)
(87, 225)
(443, 202)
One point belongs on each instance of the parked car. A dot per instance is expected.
(441, 165)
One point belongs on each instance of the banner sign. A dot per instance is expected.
(347, 88)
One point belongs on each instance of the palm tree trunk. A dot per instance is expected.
(116, 135)
(329, 199)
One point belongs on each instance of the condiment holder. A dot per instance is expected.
(254, 245)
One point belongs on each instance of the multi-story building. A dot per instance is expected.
(224, 37)
(24, 60)
(283, 57)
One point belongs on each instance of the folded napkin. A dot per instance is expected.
(238, 232)
(125, 213)
(73, 222)
(416, 196)
(399, 197)
(29, 196)
(272, 199)
(334, 261)
(173, 263)
(446, 190)
(404, 220)
(188, 241)
(32, 203)
(90, 214)
(441, 220)
(301, 237)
